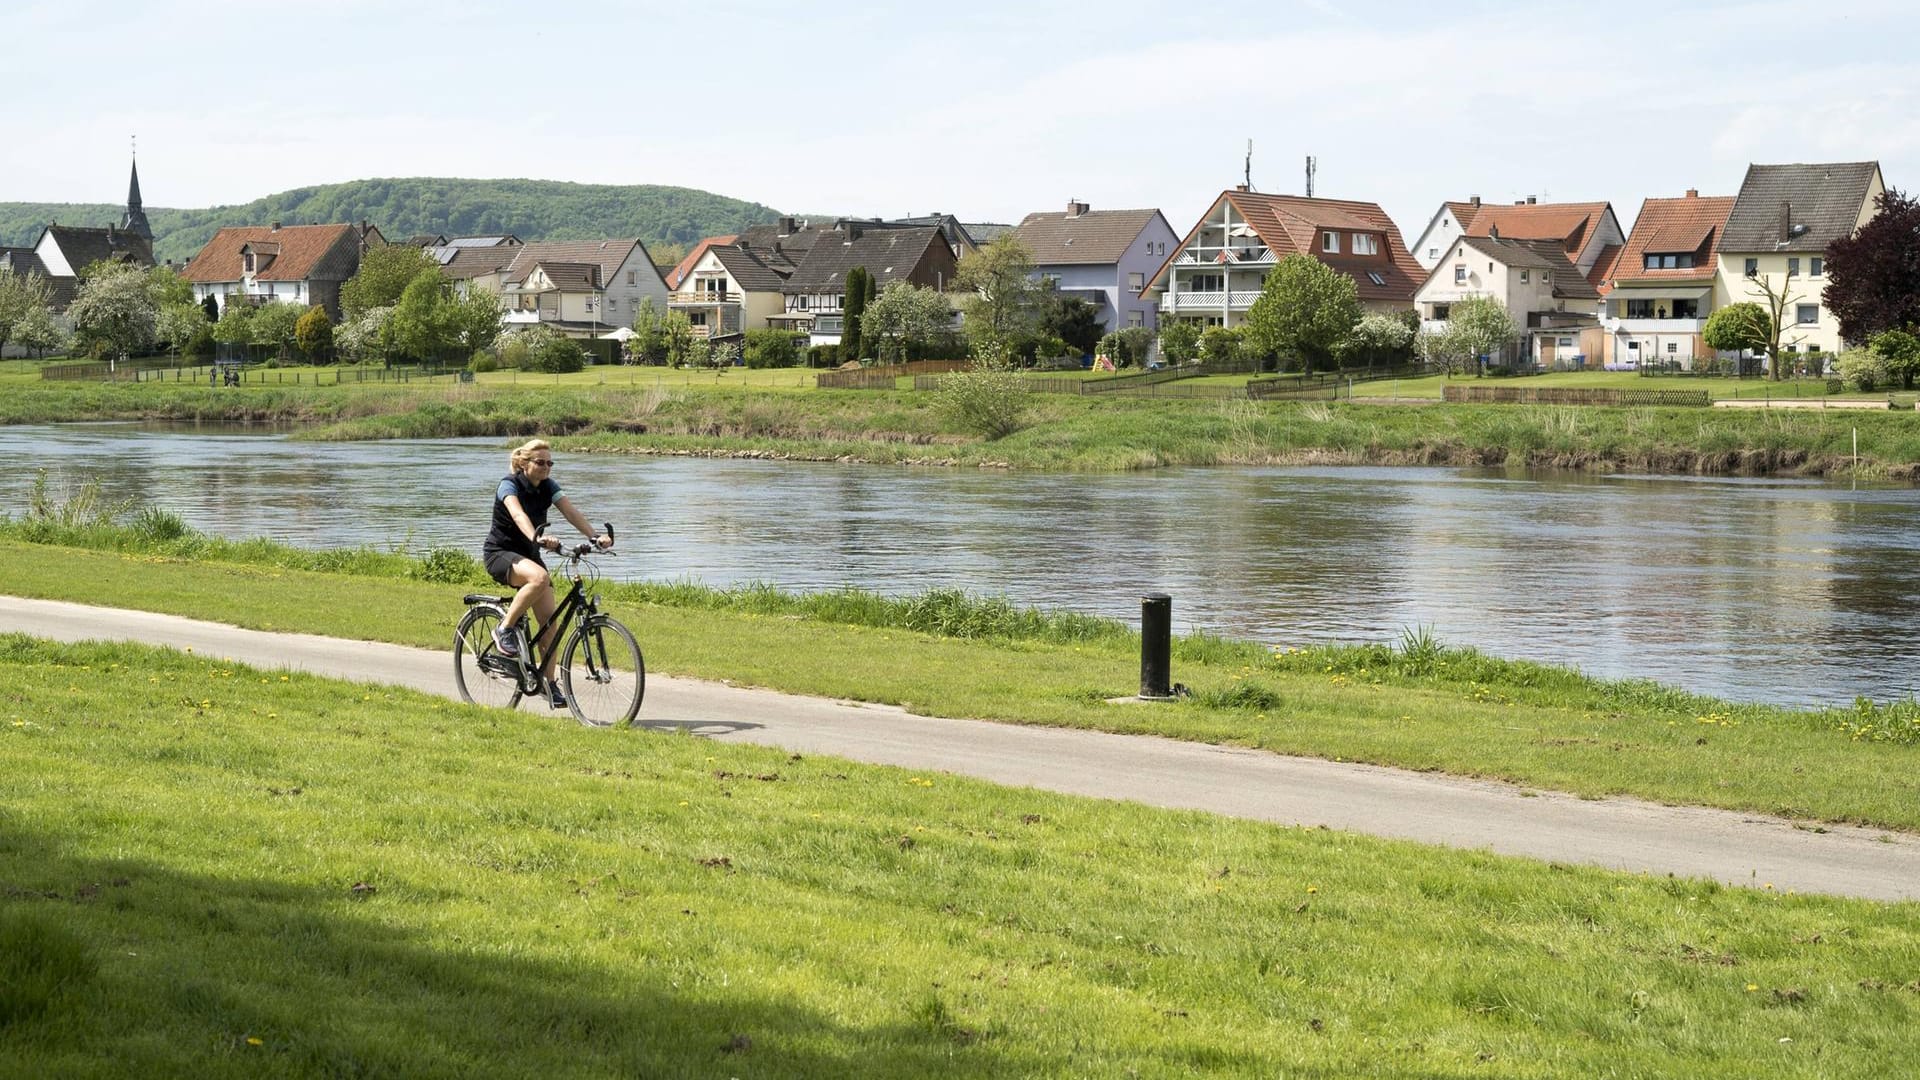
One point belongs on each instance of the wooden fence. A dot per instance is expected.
(882, 378)
(1573, 395)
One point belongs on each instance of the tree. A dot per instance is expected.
(38, 332)
(476, 318)
(236, 324)
(113, 311)
(1000, 298)
(425, 324)
(1376, 336)
(364, 337)
(906, 318)
(1899, 353)
(211, 305)
(20, 296)
(677, 332)
(1222, 345)
(1741, 327)
(166, 286)
(384, 274)
(769, 348)
(557, 354)
(1072, 320)
(1180, 341)
(1873, 276)
(649, 342)
(853, 310)
(1305, 309)
(1476, 326)
(180, 324)
(273, 326)
(313, 333)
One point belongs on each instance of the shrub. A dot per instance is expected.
(557, 355)
(772, 348)
(1862, 369)
(1180, 341)
(1220, 344)
(824, 356)
(985, 401)
(483, 360)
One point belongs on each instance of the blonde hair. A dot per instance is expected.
(523, 454)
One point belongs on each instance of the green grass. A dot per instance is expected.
(1413, 705)
(213, 871)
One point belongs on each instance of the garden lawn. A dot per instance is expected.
(212, 871)
(1417, 707)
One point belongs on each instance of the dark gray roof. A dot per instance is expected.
(84, 247)
(467, 263)
(983, 232)
(1089, 238)
(21, 261)
(1568, 282)
(776, 244)
(571, 275)
(948, 225)
(1775, 200)
(889, 253)
(748, 270)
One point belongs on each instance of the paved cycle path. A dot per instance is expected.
(1623, 834)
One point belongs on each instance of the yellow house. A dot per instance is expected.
(1776, 240)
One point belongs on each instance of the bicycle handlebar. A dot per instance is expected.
(581, 550)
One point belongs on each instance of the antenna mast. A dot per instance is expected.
(1310, 171)
(1247, 175)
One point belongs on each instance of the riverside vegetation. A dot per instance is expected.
(214, 870)
(1057, 432)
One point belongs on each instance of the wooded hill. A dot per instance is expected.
(529, 209)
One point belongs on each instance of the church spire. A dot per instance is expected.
(135, 220)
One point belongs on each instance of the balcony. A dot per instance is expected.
(703, 298)
(1236, 255)
(1615, 325)
(1237, 300)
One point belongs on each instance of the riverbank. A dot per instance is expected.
(1414, 704)
(1061, 432)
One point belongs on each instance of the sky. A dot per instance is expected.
(987, 109)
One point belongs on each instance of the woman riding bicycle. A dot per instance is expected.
(512, 555)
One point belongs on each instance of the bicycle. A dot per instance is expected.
(601, 670)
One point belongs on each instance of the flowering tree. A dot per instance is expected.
(905, 317)
(113, 311)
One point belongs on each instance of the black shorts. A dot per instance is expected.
(500, 564)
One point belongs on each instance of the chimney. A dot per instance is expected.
(786, 226)
(1241, 187)
(276, 227)
(1475, 201)
(1786, 221)
(1075, 208)
(1693, 193)
(1531, 200)
(853, 232)
(1493, 232)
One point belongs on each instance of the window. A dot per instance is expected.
(1440, 312)
(1686, 309)
(1818, 267)
(1136, 318)
(1136, 282)
(1376, 277)
(1679, 261)
(800, 303)
(1365, 244)
(1639, 309)
(1793, 267)
(1330, 242)
(1672, 347)
(1434, 254)
(1566, 343)
(247, 261)
(1753, 267)
(1459, 275)
(1523, 275)
(1807, 313)
(1207, 282)
(633, 277)
(1546, 277)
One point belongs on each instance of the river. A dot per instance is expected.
(1797, 592)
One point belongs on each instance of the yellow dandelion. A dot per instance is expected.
(1313, 888)
(253, 1041)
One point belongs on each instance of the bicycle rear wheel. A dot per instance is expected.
(603, 674)
(483, 675)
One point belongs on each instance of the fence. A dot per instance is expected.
(1573, 395)
(883, 378)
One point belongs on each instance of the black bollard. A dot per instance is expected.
(1156, 646)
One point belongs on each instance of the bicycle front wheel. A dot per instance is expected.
(603, 673)
(483, 675)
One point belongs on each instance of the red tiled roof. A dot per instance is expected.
(1464, 212)
(306, 252)
(1600, 277)
(1569, 223)
(1698, 221)
(1290, 225)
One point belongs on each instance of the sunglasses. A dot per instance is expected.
(545, 463)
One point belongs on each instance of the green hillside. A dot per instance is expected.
(530, 209)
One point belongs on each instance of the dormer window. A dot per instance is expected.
(1365, 244)
(1674, 261)
(1375, 277)
(1330, 243)
(246, 262)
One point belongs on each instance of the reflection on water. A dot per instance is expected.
(1785, 591)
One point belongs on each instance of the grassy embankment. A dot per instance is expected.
(1062, 432)
(1416, 705)
(214, 871)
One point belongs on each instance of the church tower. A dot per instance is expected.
(135, 220)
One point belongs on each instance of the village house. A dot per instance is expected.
(1553, 305)
(1777, 236)
(1215, 274)
(1660, 290)
(581, 288)
(63, 252)
(815, 292)
(729, 290)
(1589, 233)
(296, 264)
(1101, 256)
